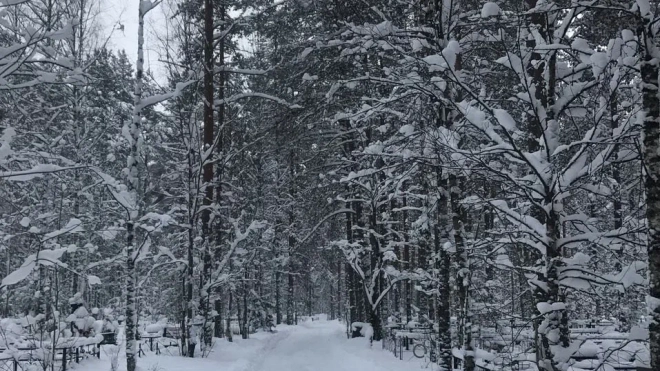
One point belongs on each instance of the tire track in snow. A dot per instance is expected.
(257, 362)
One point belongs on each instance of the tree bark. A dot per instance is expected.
(218, 327)
(376, 263)
(289, 295)
(350, 275)
(133, 187)
(553, 330)
(651, 130)
(339, 260)
(246, 326)
(406, 262)
(463, 275)
(207, 177)
(219, 171)
(278, 300)
(441, 231)
(230, 335)
(292, 242)
(190, 271)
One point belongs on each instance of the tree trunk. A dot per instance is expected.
(536, 69)
(292, 244)
(376, 262)
(339, 260)
(463, 274)
(133, 187)
(361, 301)
(289, 296)
(333, 303)
(219, 170)
(230, 335)
(553, 329)
(246, 326)
(278, 300)
(218, 327)
(350, 275)
(651, 107)
(190, 271)
(374, 321)
(204, 298)
(310, 294)
(131, 315)
(406, 262)
(443, 266)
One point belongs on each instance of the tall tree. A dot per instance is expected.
(646, 33)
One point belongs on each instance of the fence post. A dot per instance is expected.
(77, 355)
(63, 359)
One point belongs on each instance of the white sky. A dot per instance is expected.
(125, 12)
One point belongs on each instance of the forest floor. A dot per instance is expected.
(310, 346)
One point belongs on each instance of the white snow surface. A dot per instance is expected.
(310, 346)
(490, 9)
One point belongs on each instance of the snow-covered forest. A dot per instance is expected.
(472, 183)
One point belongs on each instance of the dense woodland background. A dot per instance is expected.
(450, 162)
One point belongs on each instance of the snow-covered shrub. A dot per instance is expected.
(82, 324)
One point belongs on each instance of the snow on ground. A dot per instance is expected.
(310, 346)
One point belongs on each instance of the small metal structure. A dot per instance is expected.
(66, 355)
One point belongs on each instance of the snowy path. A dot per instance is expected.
(310, 346)
(321, 346)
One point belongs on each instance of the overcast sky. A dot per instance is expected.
(125, 12)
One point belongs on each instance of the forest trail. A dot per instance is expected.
(309, 346)
(319, 346)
